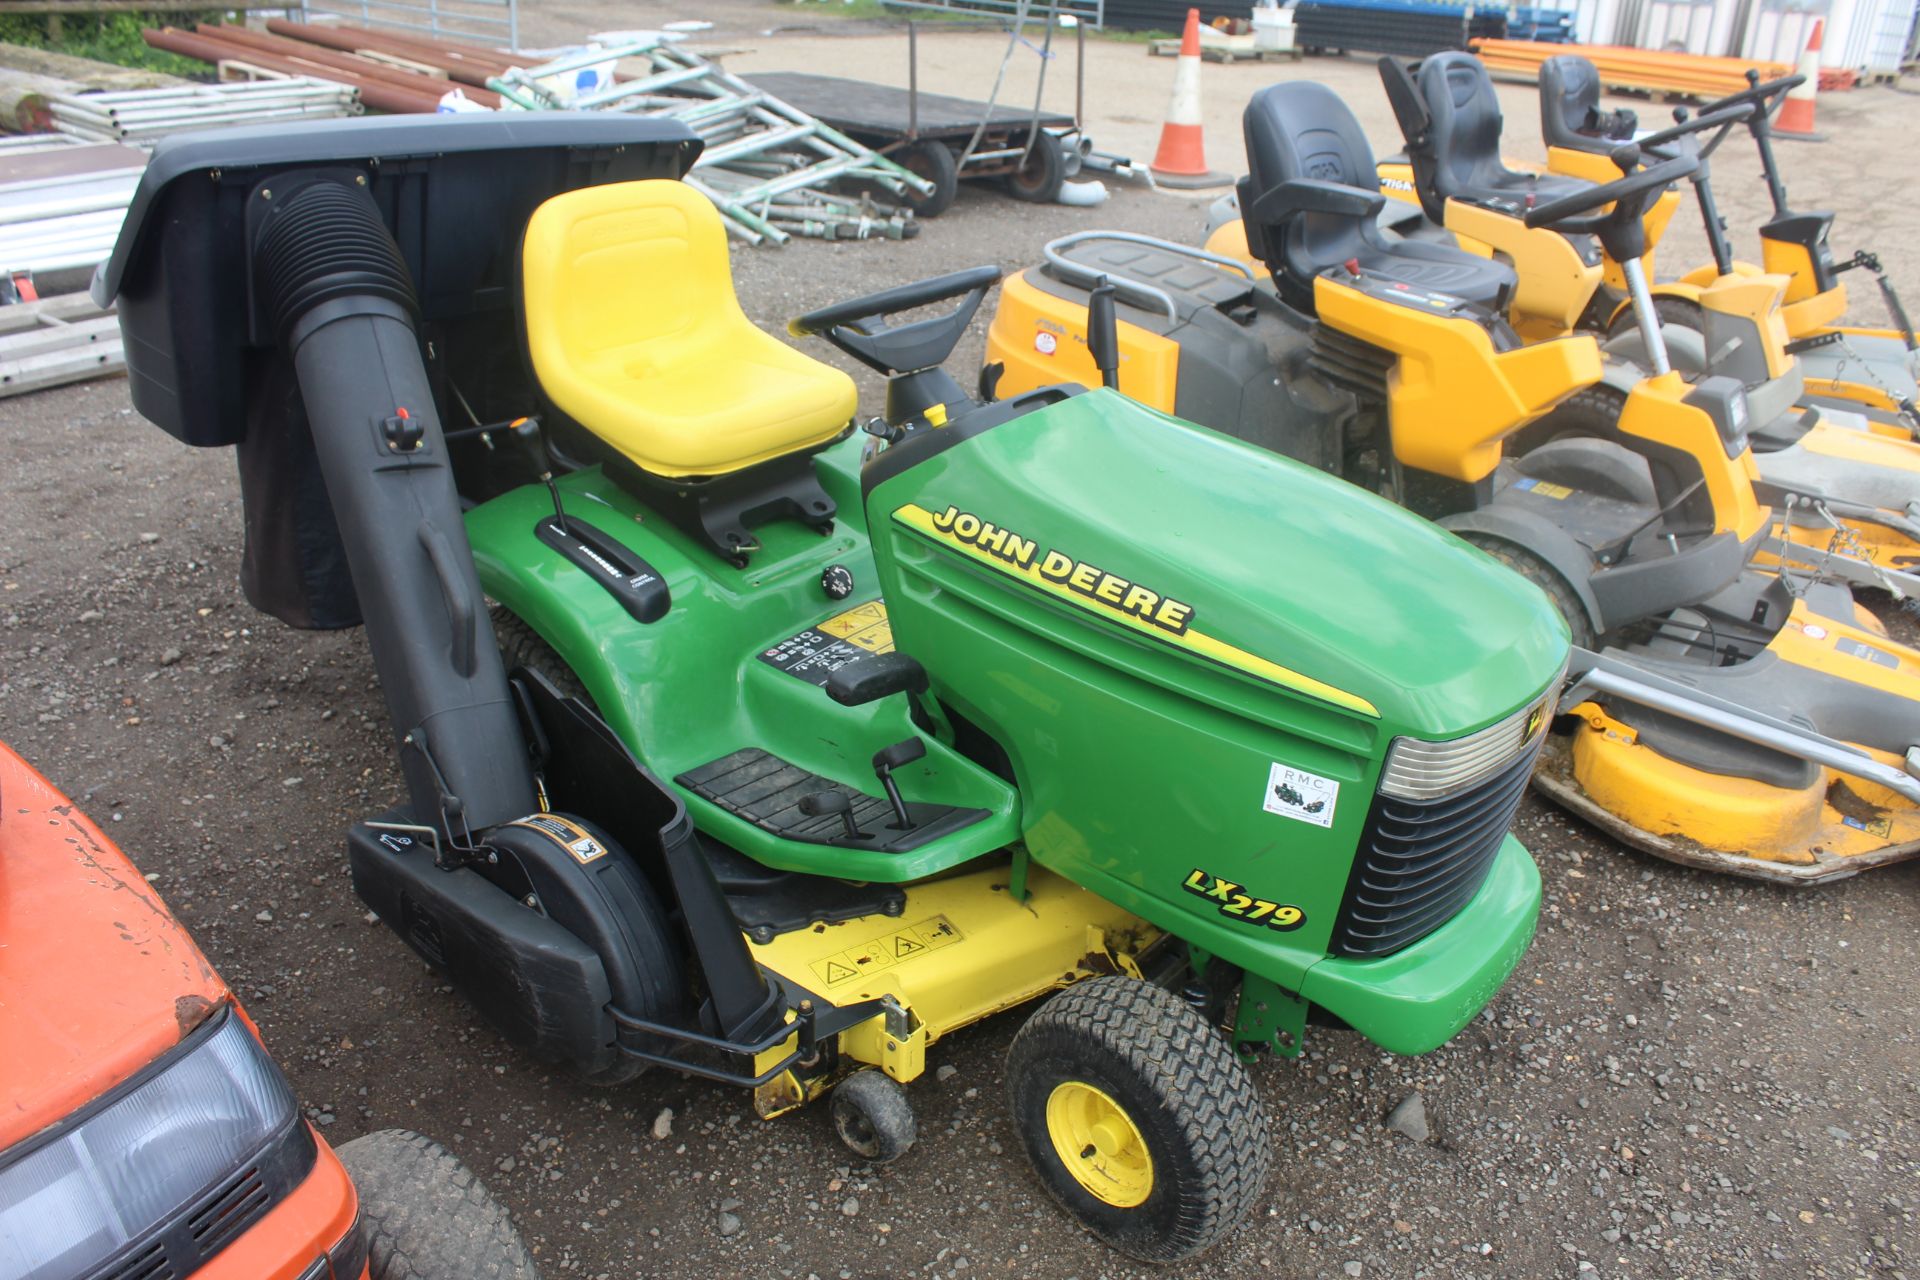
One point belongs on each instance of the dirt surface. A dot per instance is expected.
(1689, 1076)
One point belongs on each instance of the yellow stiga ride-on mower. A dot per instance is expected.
(1869, 370)
(1718, 716)
(787, 749)
(1845, 475)
(1454, 172)
(1846, 499)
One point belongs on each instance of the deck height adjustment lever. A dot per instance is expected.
(885, 761)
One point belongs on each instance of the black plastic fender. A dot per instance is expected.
(588, 885)
(1594, 466)
(1560, 549)
(546, 970)
(543, 989)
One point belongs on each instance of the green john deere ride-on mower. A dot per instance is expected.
(786, 749)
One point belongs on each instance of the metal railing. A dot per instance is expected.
(765, 164)
(493, 22)
(1091, 12)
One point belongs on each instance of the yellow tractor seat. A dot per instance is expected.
(635, 333)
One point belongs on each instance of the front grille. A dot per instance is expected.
(237, 1206)
(149, 1264)
(1420, 861)
(182, 1245)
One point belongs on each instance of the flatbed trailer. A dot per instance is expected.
(947, 139)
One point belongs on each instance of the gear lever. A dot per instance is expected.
(818, 803)
(526, 433)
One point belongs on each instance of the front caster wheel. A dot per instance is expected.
(1138, 1118)
(873, 1117)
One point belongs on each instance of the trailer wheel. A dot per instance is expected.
(873, 1117)
(1544, 576)
(935, 162)
(1138, 1118)
(1038, 181)
(427, 1217)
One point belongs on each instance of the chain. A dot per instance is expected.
(1844, 544)
(1879, 384)
(1796, 591)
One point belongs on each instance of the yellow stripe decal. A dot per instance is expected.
(1028, 569)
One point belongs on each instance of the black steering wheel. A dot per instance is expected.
(1566, 213)
(856, 326)
(1620, 229)
(1756, 94)
(1721, 118)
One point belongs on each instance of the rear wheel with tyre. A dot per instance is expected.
(935, 162)
(1592, 412)
(426, 1216)
(1544, 576)
(1039, 178)
(652, 983)
(1138, 1118)
(521, 646)
(1683, 325)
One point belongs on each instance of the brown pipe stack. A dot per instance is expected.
(375, 91)
(469, 64)
(399, 77)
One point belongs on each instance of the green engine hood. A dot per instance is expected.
(1240, 557)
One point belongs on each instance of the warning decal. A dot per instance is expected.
(567, 834)
(905, 943)
(819, 651)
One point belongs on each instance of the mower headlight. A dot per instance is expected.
(1420, 770)
(121, 1168)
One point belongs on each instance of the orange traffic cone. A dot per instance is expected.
(1181, 160)
(1796, 113)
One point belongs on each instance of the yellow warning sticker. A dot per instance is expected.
(864, 625)
(816, 653)
(1547, 489)
(906, 943)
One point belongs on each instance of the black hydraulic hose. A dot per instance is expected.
(342, 303)
(1898, 313)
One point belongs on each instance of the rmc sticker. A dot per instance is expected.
(1302, 796)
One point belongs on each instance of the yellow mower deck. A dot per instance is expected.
(1835, 852)
(963, 949)
(1830, 829)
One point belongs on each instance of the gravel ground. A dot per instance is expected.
(1689, 1076)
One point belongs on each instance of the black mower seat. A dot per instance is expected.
(1570, 114)
(1311, 200)
(1463, 142)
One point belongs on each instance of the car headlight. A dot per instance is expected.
(1421, 770)
(175, 1163)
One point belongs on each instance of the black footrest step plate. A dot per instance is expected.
(765, 790)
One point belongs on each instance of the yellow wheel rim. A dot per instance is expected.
(1099, 1144)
